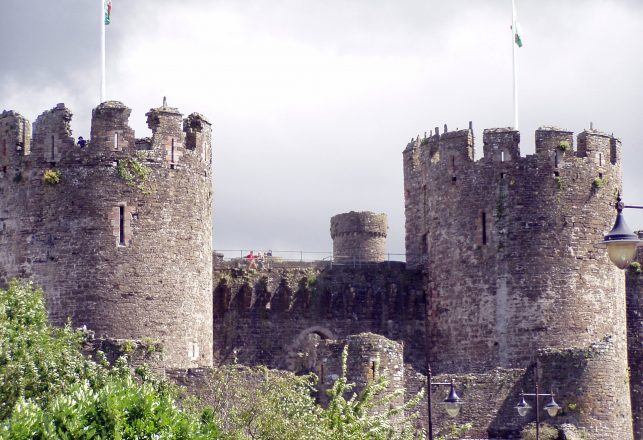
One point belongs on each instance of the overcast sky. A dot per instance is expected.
(312, 102)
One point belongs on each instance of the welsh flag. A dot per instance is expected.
(108, 11)
(517, 35)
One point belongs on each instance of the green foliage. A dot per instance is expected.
(564, 146)
(48, 390)
(36, 360)
(371, 414)
(599, 182)
(635, 267)
(547, 432)
(135, 173)
(455, 432)
(559, 182)
(128, 346)
(51, 176)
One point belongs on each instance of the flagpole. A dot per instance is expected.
(514, 61)
(102, 51)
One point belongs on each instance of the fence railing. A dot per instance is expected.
(231, 255)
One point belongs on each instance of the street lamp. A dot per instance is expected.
(451, 404)
(523, 407)
(621, 242)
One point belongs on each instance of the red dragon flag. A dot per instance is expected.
(108, 11)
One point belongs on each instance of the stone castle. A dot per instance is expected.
(502, 284)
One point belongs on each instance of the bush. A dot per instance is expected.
(564, 146)
(635, 267)
(599, 182)
(48, 390)
(547, 432)
(51, 176)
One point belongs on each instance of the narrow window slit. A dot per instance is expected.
(502, 156)
(172, 155)
(321, 373)
(373, 369)
(484, 228)
(600, 159)
(121, 226)
(502, 175)
(53, 150)
(116, 146)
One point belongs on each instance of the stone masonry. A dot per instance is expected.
(121, 243)
(358, 236)
(507, 245)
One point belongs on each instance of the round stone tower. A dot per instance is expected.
(358, 236)
(119, 233)
(507, 245)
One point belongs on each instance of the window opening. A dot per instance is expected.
(373, 369)
(502, 175)
(172, 155)
(453, 164)
(121, 226)
(556, 159)
(115, 140)
(4, 147)
(484, 228)
(53, 151)
(502, 156)
(321, 373)
(600, 159)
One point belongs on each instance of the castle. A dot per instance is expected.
(501, 285)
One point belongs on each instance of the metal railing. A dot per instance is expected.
(231, 255)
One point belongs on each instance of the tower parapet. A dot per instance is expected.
(121, 239)
(358, 236)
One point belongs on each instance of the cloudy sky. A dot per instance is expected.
(312, 102)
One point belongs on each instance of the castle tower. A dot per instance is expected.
(122, 243)
(358, 236)
(509, 249)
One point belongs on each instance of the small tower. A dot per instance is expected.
(358, 236)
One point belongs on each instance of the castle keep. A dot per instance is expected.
(122, 242)
(501, 285)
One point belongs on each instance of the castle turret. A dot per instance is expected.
(511, 264)
(119, 232)
(358, 236)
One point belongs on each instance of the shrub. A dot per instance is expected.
(564, 146)
(599, 182)
(51, 176)
(547, 432)
(635, 267)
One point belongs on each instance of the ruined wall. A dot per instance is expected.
(122, 243)
(634, 282)
(358, 236)
(276, 317)
(508, 244)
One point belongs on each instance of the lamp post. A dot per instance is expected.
(523, 407)
(451, 403)
(621, 242)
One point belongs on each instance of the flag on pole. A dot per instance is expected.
(108, 11)
(518, 35)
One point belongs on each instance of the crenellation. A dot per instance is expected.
(198, 134)
(168, 137)
(501, 144)
(52, 138)
(110, 130)
(597, 146)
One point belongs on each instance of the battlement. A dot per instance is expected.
(176, 143)
(503, 145)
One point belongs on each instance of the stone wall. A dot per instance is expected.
(273, 317)
(358, 236)
(635, 341)
(592, 395)
(122, 243)
(507, 244)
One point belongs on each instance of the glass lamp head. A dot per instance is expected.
(523, 407)
(552, 407)
(452, 402)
